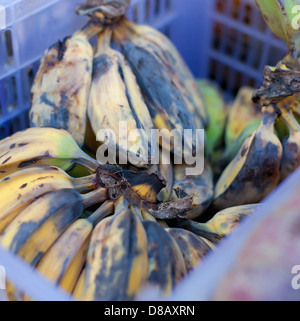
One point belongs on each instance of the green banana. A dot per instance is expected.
(281, 16)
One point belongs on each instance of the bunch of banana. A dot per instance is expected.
(63, 262)
(117, 259)
(255, 171)
(171, 93)
(116, 106)
(41, 223)
(20, 189)
(201, 187)
(62, 85)
(42, 147)
(281, 17)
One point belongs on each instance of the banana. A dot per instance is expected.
(165, 82)
(63, 262)
(231, 150)
(255, 171)
(49, 215)
(291, 146)
(281, 17)
(62, 85)
(216, 109)
(20, 189)
(221, 225)
(201, 187)
(117, 107)
(117, 260)
(42, 147)
(242, 113)
(193, 248)
(77, 292)
(166, 265)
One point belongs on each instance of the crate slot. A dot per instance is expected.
(7, 49)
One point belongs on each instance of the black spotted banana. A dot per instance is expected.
(255, 171)
(20, 189)
(193, 247)
(166, 265)
(64, 261)
(117, 260)
(61, 88)
(166, 170)
(201, 187)
(170, 104)
(40, 224)
(221, 225)
(117, 108)
(42, 146)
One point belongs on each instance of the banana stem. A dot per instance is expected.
(95, 197)
(269, 117)
(87, 183)
(88, 163)
(104, 40)
(104, 210)
(91, 29)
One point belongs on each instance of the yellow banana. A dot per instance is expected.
(242, 113)
(116, 106)
(62, 85)
(201, 187)
(20, 189)
(117, 260)
(221, 225)
(64, 261)
(166, 265)
(42, 146)
(192, 247)
(169, 88)
(255, 171)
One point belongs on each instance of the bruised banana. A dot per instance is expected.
(174, 65)
(193, 247)
(166, 265)
(20, 189)
(242, 113)
(200, 186)
(117, 260)
(215, 105)
(117, 108)
(61, 88)
(221, 225)
(64, 261)
(42, 147)
(291, 146)
(49, 215)
(255, 171)
(281, 17)
(170, 106)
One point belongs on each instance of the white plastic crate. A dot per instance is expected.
(224, 40)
